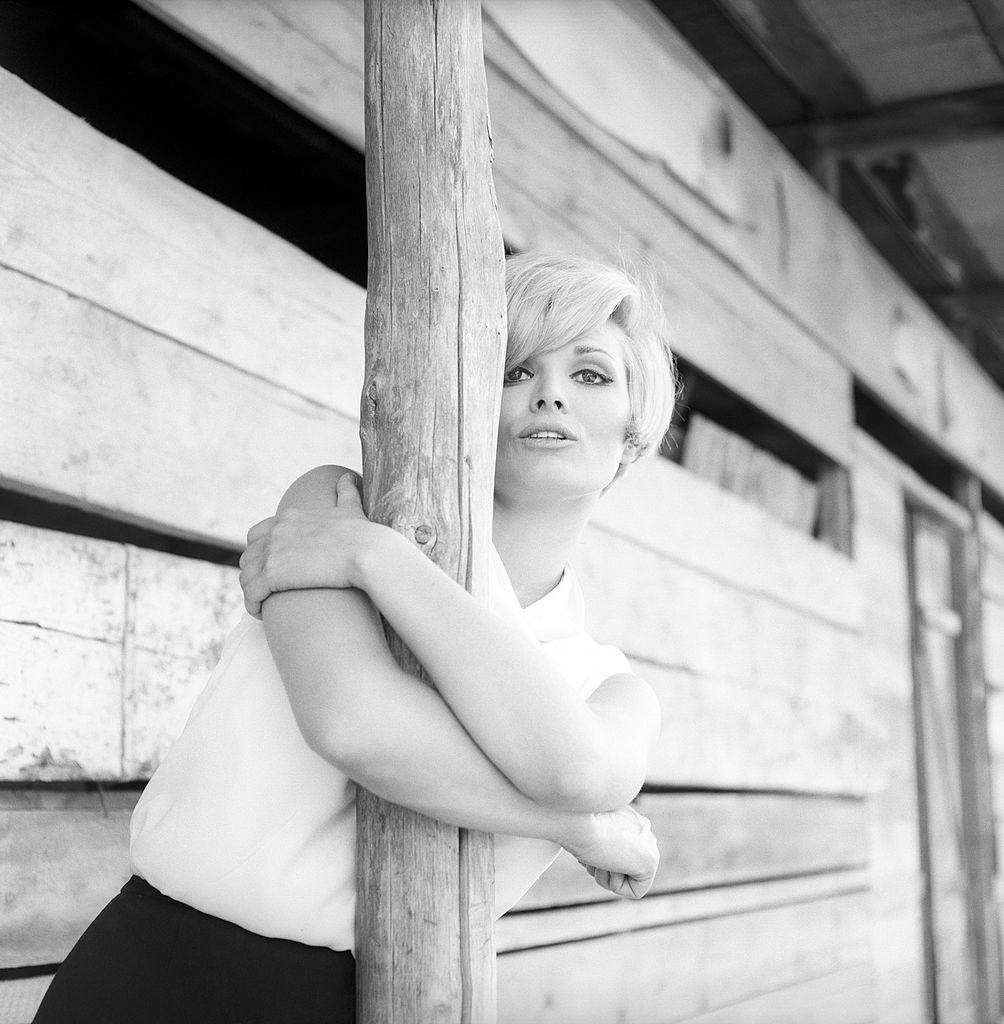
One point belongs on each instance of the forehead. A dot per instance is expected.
(607, 339)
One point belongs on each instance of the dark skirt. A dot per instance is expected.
(147, 958)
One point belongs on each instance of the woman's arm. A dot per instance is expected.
(394, 735)
(554, 747)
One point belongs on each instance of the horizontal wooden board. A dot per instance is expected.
(723, 838)
(62, 705)
(319, 69)
(661, 611)
(675, 972)
(60, 582)
(525, 929)
(19, 998)
(844, 997)
(729, 734)
(694, 522)
(85, 417)
(89, 216)
(180, 613)
(64, 859)
(98, 688)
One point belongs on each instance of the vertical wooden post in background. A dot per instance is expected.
(435, 345)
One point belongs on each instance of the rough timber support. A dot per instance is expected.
(435, 340)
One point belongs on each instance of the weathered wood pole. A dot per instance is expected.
(435, 345)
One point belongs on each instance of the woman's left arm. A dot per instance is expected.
(553, 746)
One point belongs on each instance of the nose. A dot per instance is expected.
(549, 393)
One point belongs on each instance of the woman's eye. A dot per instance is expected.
(515, 375)
(592, 377)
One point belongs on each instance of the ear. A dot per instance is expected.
(632, 447)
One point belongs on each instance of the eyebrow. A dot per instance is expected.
(585, 350)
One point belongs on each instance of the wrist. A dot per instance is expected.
(576, 831)
(376, 556)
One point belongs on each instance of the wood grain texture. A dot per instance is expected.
(843, 997)
(85, 214)
(730, 734)
(529, 929)
(206, 457)
(19, 998)
(65, 856)
(673, 973)
(62, 706)
(663, 612)
(180, 612)
(665, 508)
(106, 648)
(712, 839)
(435, 345)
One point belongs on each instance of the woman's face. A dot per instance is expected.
(563, 420)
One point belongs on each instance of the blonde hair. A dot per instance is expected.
(554, 299)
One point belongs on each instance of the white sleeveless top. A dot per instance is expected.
(244, 821)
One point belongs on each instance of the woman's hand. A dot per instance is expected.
(299, 549)
(620, 852)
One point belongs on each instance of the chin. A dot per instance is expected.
(553, 483)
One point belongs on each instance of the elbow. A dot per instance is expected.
(335, 738)
(590, 788)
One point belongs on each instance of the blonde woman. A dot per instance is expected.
(242, 905)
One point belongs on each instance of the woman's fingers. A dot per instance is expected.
(347, 490)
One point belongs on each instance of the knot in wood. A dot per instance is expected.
(371, 392)
(424, 534)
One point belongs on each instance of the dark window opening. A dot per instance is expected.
(47, 515)
(138, 81)
(721, 437)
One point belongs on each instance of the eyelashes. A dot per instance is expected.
(587, 375)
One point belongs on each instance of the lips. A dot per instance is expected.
(548, 430)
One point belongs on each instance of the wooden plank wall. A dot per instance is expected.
(165, 362)
(107, 296)
(186, 399)
(611, 135)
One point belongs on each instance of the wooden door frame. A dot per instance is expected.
(979, 854)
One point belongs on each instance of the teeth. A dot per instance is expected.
(548, 433)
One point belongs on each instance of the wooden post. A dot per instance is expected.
(435, 346)
(978, 812)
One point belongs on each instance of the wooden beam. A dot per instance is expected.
(910, 124)
(990, 15)
(435, 344)
(797, 51)
(978, 815)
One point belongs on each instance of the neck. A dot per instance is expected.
(535, 542)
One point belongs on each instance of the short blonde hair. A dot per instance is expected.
(554, 299)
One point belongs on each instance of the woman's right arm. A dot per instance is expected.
(397, 737)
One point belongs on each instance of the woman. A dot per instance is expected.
(243, 843)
